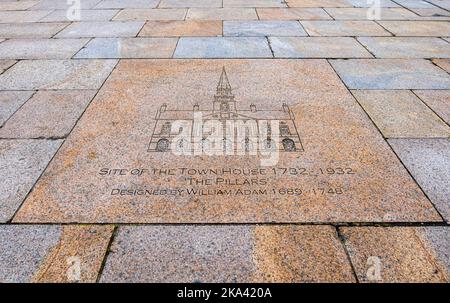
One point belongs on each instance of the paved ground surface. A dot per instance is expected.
(363, 197)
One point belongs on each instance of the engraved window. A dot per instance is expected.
(284, 129)
(165, 129)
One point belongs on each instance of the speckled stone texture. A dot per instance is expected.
(417, 28)
(51, 253)
(359, 13)
(181, 28)
(437, 100)
(262, 28)
(228, 13)
(101, 29)
(227, 254)
(30, 30)
(151, 14)
(5, 64)
(298, 13)
(343, 28)
(10, 102)
(364, 182)
(443, 63)
(85, 15)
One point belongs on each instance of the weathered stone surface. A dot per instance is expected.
(431, 12)
(253, 3)
(151, 14)
(30, 30)
(443, 63)
(343, 171)
(415, 4)
(228, 13)
(48, 114)
(406, 47)
(193, 28)
(56, 74)
(21, 16)
(127, 4)
(21, 163)
(360, 13)
(41, 48)
(223, 47)
(5, 64)
(129, 48)
(417, 28)
(227, 254)
(428, 160)
(262, 28)
(295, 13)
(189, 3)
(366, 4)
(10, 102)
(318, 3)
(438, 100)
(343, 28)
(400, 114)
(399, 254)
(63, 4)
(317, 47)
(85, 15)
(391, 74)
(102, 29)
(51, 253)
(445, 4)
(17, 5)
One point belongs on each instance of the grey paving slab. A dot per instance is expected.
(418, 28)
(40, 48)
(441, 3)
(21, 163)
(317, 47)
(189, 3)
(56, 74)
(10, 102)
(5, 64)
(151, 14)
(366, 3)
(293, 13)
(226, 254)
(431, 12)
(30, 30)
(102, 29)
(129, 48)
(254, 3)
(223, 47)
(318, 3)
(48, 114)
(437, 100)
(406, 47)
(85, 15)
(262, 28)
(17, 5)
(127, 4)
(22, 16)
(415, 4)
(447, 39)
(229, 13)
(359, 13)
(63, 4)
(428, 160)
(343, 28)
(391, 74)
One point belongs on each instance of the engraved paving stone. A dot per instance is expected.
(122, 163)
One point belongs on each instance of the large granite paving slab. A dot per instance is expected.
(114, 166)
(12, 5)
(85, 15)
(415, 4)
(445, 4)
(189, 3)
(428, 160)
(30, 30)
(5, 64)
(127, 4)
(151, 14)
(367, 3)
(318, 3)
(399, 254)
(418, 28)
(56, 74)
(63, 4)
(359, 13)
(22, 16)
(227, 254)
(443, 63)
(51, 253)
(254, 3)
(294, 13)
(262, 28)
(175, 28)
(101, 29)
(228, 13)
(48, 114)
(21, 163)
(343, 28)
(391, 74)
(437, 100)
(10, 102)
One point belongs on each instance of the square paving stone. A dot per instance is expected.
(63, 4)
(189, 3)
(151, 14)
(48, 114)
(5, 64)
(443, 63)
(30, 30)
(16, 5)
(342, 171)
(437, 100)
(399, 254)
(318, 3)
(10, 102)
(85, 15)
(295, 13)
(254, 3)
(406, 47)
(50, 253)
(400, 114)
(317, 47)
(22, 16)
(428, 160)
(102, 29)
(21, 163)
(227, 254)
(223, 47)
(343, 28)
(127, 4)
(41, 48)
(56, 74)
(391, 74)
(129, 48)
(417, 28)
(359, 13)
(193, 28)
(228, 13)
(262, 28)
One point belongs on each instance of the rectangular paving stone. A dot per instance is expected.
(366, 3)
(400, 114)
(431, 12)
(51, 253)
(22, 16)
(399, 254)
(193, 28)
(445, 4)
(63, 4)
(189, 3)
(101, 29)
(406, 47)
(223, 47)
(17, 5)
(318, 3)
(227, 254)
(129, 48)
(417, 28)
(127, 4)
(359, 13)
(5, 64)
(56, 74)
(415, 4)
(10, 102)
(343, 171)
(85, 15)
(317, 47)
(343, 28)
(443, 63)
(41, 48)
(294, 13)
(30, 30)
(21, 163)
(48, 114)
(254, 3)
(228, 13)
(151, 14)
(428, 162)
(262, 28)
(391, 74)
(437, 100)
